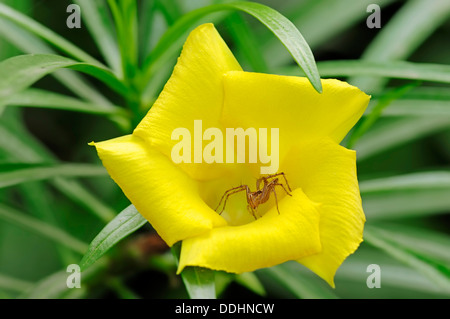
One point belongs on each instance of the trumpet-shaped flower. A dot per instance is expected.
(319, 225)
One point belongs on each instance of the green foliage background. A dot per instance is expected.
(55, 197)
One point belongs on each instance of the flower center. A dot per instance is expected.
(245, 203)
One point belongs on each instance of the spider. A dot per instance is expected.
(260, 196)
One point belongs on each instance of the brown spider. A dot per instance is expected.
(260, 196)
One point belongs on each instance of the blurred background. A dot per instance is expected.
(403, 156)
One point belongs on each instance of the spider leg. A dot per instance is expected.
(227, 191)
(279, 184)
(276, 199)
(287, 184)
(250, 209)
(285, 179)
(236, 190)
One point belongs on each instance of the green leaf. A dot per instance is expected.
(246, 42)
(152, 26)
(125, 17)
(288, 34)
(18, 147)
(96, 15)
(199, 282)
(376, 112)
(38, 200)
(22, 147)
(11, 174)
(398, 281)
(222, 280)
(6, 49)
(122, 291)
(390, 132)
(54, 286)
(51, 287)
(170, 10)
(411, 252)
(11, 215)
(408, 107)
(46, 99)
(124, 224)
(283, 29)
(48, 35)
(421, 101)
(13, 284)
(407, 195)
(251, 282)
(397, 42)
(86, 199)
(429, 243)
(425, 180)
(20, 72)
(309, 16)
(429, 93)
(298, 283)
(30, 44)
(392, 69)
(50, 100)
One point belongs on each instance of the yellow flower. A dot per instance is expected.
(318, 226)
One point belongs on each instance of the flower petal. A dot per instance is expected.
(327, 174)
(160, 190)
(194, 92)
(291, 104)
(268, 241)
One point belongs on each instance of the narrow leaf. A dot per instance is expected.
(421, 101)
(425, 180)
(10, 215)
(120, 288)
(170, 9)
(19, 144)
(301, 285)
(96, 15)
(48, 35)
(251, 282)
(246, 42)
(11, 174)
(151, 28)
(415, 107)
(281, 27)
(124, 224)
(397, 42)
(309, 16)
(20, 72)
(125, 18)
(409, 253)
(407, 195)
(398, 281)
(50, 100)
(376, 112)
(199, 282)
(429, 243)
(28, 43)
(84, 198)
(391, 132)
(38, 200)
(288, 34)
(14, 284)
(392, 69)
(54, 286)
